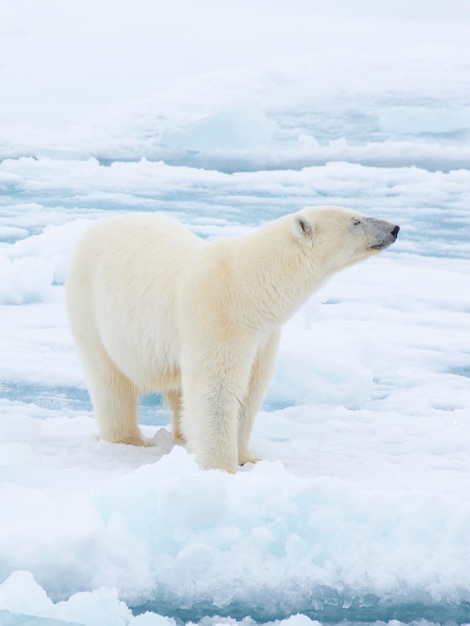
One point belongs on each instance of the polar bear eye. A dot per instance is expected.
(357, 222)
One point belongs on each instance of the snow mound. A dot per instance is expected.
(148, 527)
(53, 246)
(24, 280)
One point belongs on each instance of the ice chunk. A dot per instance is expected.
(20, 593)
(325, 364)
(10, 619)
(421, 119)
(24, 280)
(54, 247)
(94, 608)
(226, 130)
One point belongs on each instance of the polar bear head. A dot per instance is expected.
(337, 237)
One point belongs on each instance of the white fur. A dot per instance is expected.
(153, 307)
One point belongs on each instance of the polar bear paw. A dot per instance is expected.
(130, 441)
(243, 459)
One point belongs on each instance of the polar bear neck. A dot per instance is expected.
(273, 280)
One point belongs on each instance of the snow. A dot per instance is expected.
(227, 116)
(25, 280)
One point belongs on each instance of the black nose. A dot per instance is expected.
(395, 231)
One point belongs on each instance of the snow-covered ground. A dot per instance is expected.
(227, 115)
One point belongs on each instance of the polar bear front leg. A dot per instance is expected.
(259, 382)
(212, 398)
(209, 425)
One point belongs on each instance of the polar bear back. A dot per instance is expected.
(123, 275)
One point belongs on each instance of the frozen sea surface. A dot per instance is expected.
(360, 511)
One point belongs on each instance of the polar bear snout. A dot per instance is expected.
(382, 234)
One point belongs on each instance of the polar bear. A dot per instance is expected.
(153, 307)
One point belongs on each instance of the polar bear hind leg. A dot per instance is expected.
(173, 398)
(114, 399)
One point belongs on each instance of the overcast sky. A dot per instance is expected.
(83, 53)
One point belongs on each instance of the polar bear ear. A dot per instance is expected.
(302, 228)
